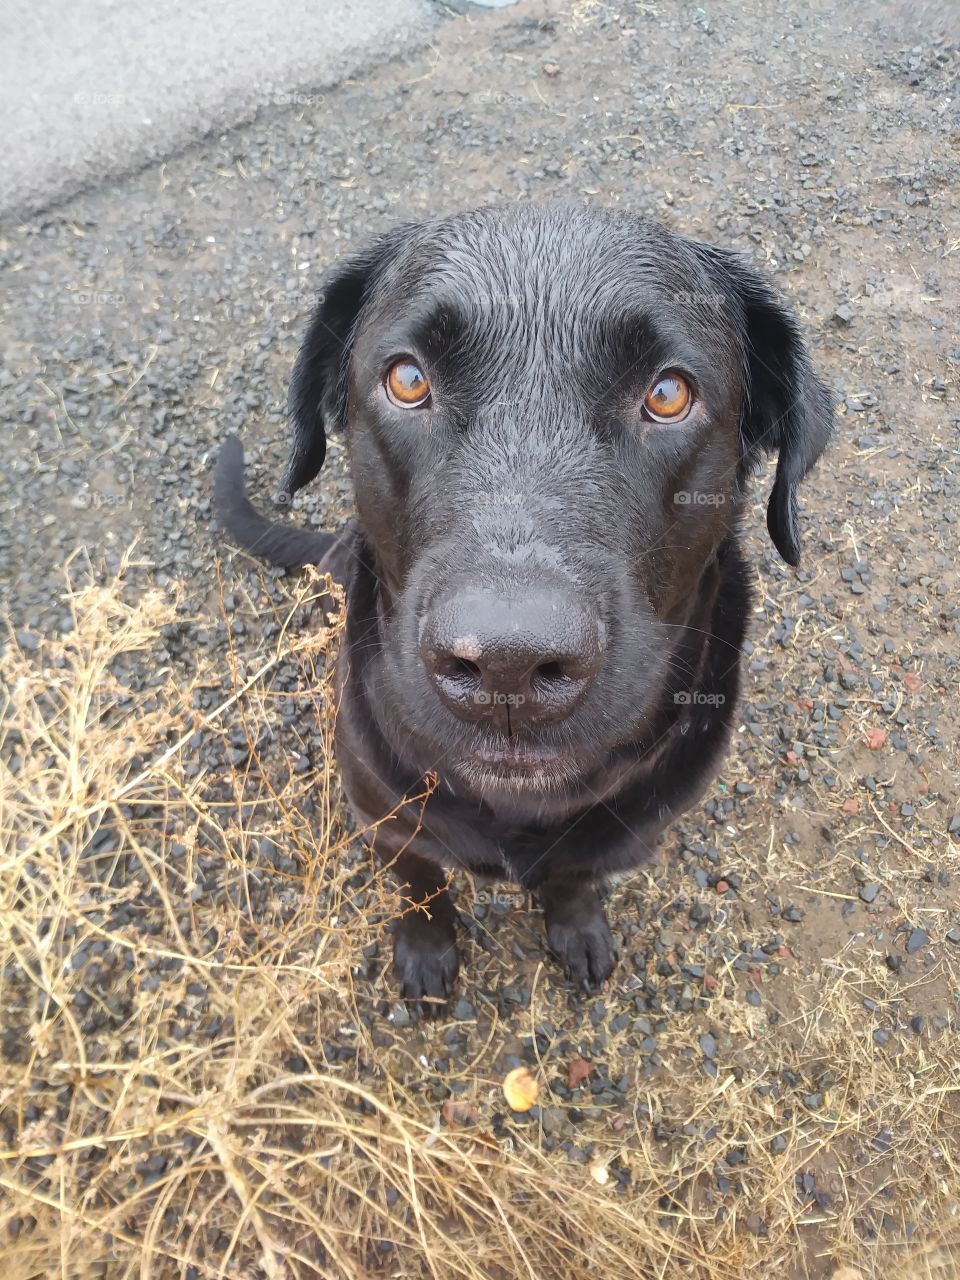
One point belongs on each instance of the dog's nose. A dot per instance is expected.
(517, 660)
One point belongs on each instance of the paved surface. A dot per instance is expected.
(94, 88)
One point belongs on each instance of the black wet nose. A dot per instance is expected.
(528, 659)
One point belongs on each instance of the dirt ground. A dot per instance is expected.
(770, 1083)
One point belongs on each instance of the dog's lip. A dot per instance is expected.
(522, 757)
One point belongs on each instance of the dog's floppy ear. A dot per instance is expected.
(317, 398)
(786, 409)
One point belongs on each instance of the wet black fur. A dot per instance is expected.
(540, 328)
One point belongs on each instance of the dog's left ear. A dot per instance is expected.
(317, 397)
(786, 409)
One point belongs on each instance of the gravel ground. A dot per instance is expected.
(150, 317)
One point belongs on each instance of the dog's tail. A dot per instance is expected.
(269, 540)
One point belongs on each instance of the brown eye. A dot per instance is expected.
(669, 399)
(407, 384)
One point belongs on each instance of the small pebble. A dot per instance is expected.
(918, 938)
(464, 1011)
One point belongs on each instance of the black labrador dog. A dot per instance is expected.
(551, 413)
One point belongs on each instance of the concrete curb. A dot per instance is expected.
(92, 90)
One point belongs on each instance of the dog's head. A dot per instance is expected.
(550, 413)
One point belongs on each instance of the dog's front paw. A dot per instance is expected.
(425, 959)
(580, 938)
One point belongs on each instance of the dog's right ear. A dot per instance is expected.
(317, 398)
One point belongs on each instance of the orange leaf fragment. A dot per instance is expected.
(459, 1114)
(577, 1072)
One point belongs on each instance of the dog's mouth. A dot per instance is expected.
(517, 765)
(519, 757)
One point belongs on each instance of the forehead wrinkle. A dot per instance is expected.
(512, 275)
(528, 299)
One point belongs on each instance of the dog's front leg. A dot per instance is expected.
(425, 941)
(577, 930)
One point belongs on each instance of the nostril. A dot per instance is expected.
(449, 666)
(550, 671)
(464, 667)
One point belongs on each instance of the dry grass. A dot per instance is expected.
(172, 1106)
